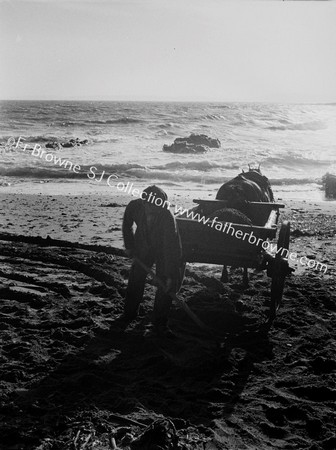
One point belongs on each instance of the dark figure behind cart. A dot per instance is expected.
(156, 240)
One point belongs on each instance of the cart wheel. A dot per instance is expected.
(279, 269)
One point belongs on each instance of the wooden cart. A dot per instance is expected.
(203, 243)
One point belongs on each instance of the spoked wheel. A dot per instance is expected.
(280, 269)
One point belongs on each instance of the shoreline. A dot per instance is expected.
(61, 186)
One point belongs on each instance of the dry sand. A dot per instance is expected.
(72, 377)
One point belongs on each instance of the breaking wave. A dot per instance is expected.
(313, 126)
(33, 139)
(135, 171)
(203, 165)
(120, 120)
(294, 162)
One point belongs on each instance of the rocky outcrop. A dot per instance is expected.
(71, 143)
(195, 143)
(53, 144)
(184, 147)
(200, 139)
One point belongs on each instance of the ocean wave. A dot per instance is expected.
(199, 177)
(168, 125)
(294, 161)
(312, 126)
(55, 171)
(219, 106)
(213, 117)
(203, 165)
(39, 172)
(192, 171)
(67, 123)
(114, 168)
(153, 175)
(40, 139)
(105, 140)
(86, 122)
(120, 120)
(34, 139)
(293, 181)
(135, 171)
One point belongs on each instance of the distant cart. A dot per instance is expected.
(205, 244)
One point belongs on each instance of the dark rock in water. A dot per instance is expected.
(68, 144)
(53, 144)
(71, 143)
(200, 139)
(183, 147)
(195, 143)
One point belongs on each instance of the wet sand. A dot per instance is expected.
(73, 377)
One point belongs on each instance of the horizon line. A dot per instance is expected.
(170, 101)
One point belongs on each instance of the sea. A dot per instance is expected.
(295, 144)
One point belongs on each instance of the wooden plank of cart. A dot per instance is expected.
(204, 244)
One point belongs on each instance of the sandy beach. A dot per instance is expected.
(70, 374)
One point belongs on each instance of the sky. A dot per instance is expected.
(176, 50)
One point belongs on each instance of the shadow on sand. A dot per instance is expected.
(128, 376)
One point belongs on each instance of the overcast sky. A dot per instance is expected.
(208, 50)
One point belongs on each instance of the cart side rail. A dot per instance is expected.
(239, 245)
